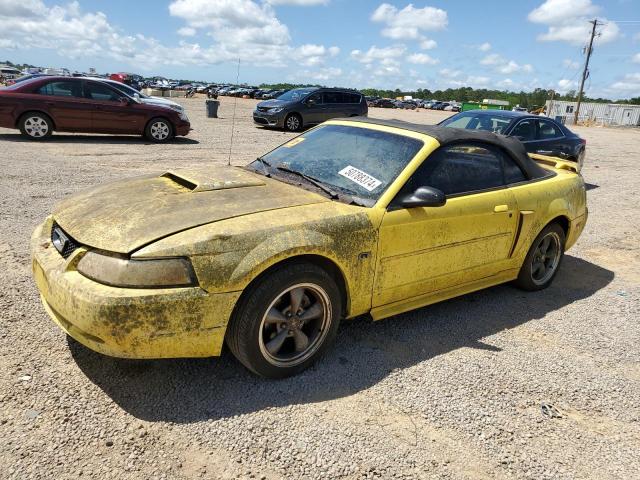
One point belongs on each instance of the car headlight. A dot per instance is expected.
(276, 110)
(114, 270)
(177, 108)
(183, 117)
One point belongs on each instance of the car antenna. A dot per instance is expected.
(233, 118)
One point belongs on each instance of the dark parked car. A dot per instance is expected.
(39, 106)
(300, 107)
(385, 103)
(540, 135)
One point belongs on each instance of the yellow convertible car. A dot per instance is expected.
(353, 217)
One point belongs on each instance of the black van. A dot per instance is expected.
(300, 107)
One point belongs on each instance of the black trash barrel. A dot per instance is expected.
(212, 108)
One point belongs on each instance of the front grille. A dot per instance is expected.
(62, 241)
(260, 120)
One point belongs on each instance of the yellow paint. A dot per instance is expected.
(390, 261)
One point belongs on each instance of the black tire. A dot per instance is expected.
(293, 122)
(35, 125)
(159, 130)
(541, 265)
(262, 320)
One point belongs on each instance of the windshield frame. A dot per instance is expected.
(429, 144)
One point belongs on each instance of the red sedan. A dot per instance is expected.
(38, 107)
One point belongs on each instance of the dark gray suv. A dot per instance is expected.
(300, 107)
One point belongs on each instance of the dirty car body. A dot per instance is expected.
(167, 265)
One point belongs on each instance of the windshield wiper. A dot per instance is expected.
(264, 164)
(309, 179)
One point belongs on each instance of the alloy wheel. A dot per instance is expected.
(293, 123)
(295, 324)
(36, 127)
(160, 130)
(546, 258)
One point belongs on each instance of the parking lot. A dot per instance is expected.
(452, 391)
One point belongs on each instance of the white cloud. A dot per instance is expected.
(558, 11)
(493, 59)
(386, 56)
(636, 58)
(447, 72)
(566, 84)
(299, 3)
(8, 44)
(410, 22)
(484, 47)
(504, 66)
(187, 31)
(319, 75)
(629, 84)
(567, 21)
(312, 55)
(422, 59)
(428, 44)
(243, 29)
(568, 63)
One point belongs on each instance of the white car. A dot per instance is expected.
(9, 73)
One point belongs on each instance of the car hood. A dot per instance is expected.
(160, 101)
(127, 215)
(273, 103)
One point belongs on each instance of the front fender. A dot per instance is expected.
(280, 247)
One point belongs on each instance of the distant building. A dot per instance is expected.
(613, 114)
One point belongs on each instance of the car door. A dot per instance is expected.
(423, 250)
(549, 140)
(333, 105)
(113, 112)
(313, 109)
(65, 104)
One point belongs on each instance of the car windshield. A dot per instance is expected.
(360, 162)
(297, 94)
(127, 89)
(490, 122)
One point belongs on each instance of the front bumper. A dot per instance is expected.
(127, 322)
(183, 128)
(267, 119)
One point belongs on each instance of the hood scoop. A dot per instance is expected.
(203, 182)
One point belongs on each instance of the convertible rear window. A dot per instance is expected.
(478, 121)
(360, 161)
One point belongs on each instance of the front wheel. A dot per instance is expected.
(543, 260)
(293, 122)
(286, 321)
(159, 130)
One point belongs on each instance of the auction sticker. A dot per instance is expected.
(361, 178)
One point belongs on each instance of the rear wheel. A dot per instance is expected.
(36, 126)
(293, 122)
(286, 321)
(543, 260)
(159, 130)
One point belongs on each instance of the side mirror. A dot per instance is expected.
(136, 97)
(424, 197)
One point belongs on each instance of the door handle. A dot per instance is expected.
(500, 208)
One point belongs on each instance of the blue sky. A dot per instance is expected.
(356, 43)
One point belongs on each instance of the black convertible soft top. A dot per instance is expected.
(450, 135)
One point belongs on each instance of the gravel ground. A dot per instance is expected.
(450, 391)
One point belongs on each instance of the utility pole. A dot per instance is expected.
(585, 72)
